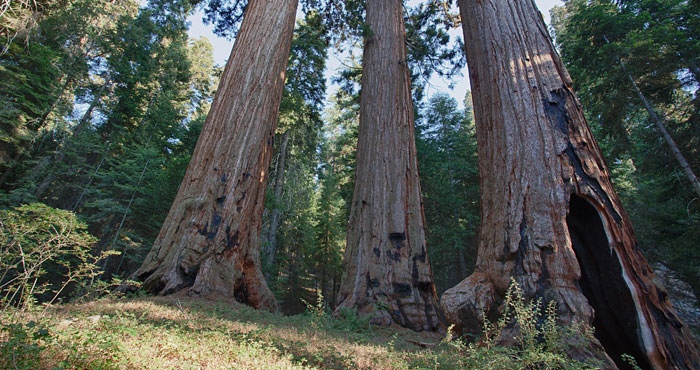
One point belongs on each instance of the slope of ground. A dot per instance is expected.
(186, 333)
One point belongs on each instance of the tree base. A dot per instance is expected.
(475, 300)
(246, 285)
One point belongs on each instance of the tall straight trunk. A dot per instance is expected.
(42, 120)
(107, 272)
(58, 157)
(209, 243)
(550, 217)
(276, 212)
(38, 126)
(662, 128)
(386, 261)
(462, 263)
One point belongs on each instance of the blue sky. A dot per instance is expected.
(222, 49)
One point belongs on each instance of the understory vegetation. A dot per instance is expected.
(185, 333)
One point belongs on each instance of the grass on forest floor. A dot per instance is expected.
(186, 333)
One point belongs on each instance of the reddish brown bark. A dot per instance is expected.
(209, 242)
(387, 273)
(550, 217)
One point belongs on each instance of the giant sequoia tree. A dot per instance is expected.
(653, 40)
(638, 55)
(386, 261)
(550, 217)
(209, 242)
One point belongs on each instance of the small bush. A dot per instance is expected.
(349, 320)
(346, 319)
(42, 251)
(630, 360)
(317, 310)
(22, 345)
(539, 342)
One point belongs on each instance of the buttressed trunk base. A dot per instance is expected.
(209, 243)
(550, 217)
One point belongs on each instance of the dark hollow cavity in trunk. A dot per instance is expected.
(603, 285)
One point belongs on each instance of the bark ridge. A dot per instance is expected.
(550, 216)
(210, 240)
(386, 270)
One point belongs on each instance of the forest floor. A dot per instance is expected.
(185, 333)
(188, 333)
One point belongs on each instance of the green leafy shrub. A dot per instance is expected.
(349, 320)
(539, 343)
(22, 345)
(317, 310)
(346, 319)
(43, 250)
(631, 361)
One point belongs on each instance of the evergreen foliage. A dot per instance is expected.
(658, 43)
(141, 98)
(447, 160)
(299, 263)
(43, 250)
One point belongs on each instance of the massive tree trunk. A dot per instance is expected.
(387, 274)
(210, 242)
(550, 217)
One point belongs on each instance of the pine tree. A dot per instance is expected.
(446, 146)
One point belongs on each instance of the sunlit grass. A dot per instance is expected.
(184, 333)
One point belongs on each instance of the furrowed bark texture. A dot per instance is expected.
(209, 242)
(550, 217)
(387, 274)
